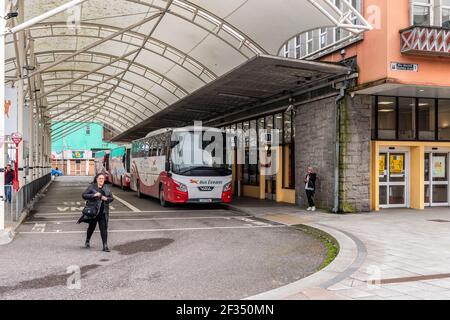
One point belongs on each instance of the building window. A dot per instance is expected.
(88, 130)
(387, 118)
(406, 118)
(288, 152)
(309, 42)
(426, 119)
(323, 38)
(286, 50)
(422, 12)
(298, 47)
(445, 13)
(444, 119)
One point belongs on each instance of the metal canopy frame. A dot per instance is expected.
(263, 80)
(124, 73)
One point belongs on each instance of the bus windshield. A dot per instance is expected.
(202, 153)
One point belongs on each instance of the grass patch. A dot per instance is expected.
(330, 243)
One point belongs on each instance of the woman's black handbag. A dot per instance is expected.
(90, 212)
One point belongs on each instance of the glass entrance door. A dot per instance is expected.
(393, 179)
(436, 179)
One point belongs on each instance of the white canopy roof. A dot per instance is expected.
(125, 60)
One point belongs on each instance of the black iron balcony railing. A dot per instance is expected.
(426, 41)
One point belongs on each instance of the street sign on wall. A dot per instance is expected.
(398, 66)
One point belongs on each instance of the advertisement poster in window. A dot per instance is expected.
(439, 167)
(397, 164)
(382, 165)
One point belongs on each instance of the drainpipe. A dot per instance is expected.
(338, 100)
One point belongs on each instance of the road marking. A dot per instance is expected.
(252, 222)
(160, 230)
(38, 227)
(240, 218)
(127, 204)
(119, 212)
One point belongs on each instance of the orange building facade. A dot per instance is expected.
(403, 69)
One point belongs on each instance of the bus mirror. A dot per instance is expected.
(168, 167)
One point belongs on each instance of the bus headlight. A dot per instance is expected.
(180, 186)
(227, 187)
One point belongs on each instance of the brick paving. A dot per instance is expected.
(403, 253)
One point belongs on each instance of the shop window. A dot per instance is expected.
(250, 168)
(287, 127)
(269, 123)
(422, 12)
(288, 166)
(407, 119)
(444, 119)
(88, 130)
(387, 118)
(426, 119)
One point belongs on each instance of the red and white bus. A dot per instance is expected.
(165, 165)
(101, 163)
(120, 166)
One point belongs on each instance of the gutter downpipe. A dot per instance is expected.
(338, 101)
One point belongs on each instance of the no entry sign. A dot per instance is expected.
(16, 137)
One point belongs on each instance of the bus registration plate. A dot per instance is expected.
(205, 200)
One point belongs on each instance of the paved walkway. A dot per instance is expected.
(393, 254)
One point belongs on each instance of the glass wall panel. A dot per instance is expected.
(444, 119)
(287, 127)
(407, 119)
(427, 117)
(386, 118)
(440, 193)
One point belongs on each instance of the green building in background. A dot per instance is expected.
(74, 153)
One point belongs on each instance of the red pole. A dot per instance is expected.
(16, 169)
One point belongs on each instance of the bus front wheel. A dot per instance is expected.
(162, 201)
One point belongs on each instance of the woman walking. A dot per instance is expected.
(310, 188)
(98, 195)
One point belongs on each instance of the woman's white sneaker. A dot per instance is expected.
(313, 209)
(309, 209)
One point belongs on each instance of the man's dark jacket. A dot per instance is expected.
(9, 177)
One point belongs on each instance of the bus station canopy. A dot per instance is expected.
(121, 62)
(257, 80)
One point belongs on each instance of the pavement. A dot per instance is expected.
(192, 252)
(394, 254)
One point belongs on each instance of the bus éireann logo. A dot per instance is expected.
(194, 181)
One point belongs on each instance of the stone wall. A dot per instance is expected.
(315, 144)
(315, 132)
(354, 180)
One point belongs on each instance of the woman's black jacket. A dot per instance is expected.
(89, 193)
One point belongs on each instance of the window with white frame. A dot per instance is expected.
(422, 12)
(286, 50)
(309, 42)
(323, 37)
(298, 47)
(445, 14)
